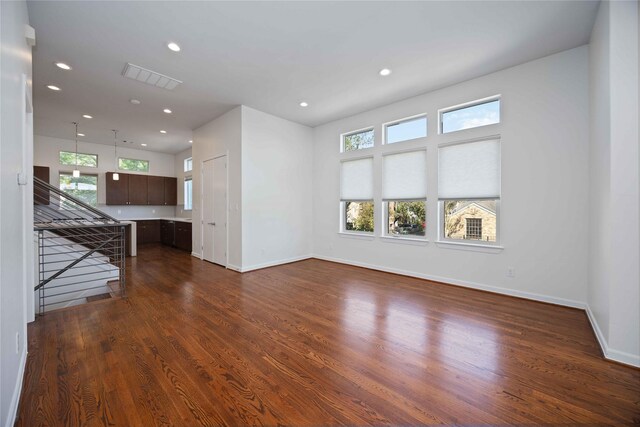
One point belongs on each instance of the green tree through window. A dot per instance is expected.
(133, 165)
(85, 188)
(69, 158)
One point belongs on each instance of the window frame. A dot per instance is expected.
(469, 104)
(355, 132)
(70, 173)
(385, 126)
(467, 242)
(385, 220)
(343, 219)
(79, 154)
(134, 170)
(187, 178)
(190, 160)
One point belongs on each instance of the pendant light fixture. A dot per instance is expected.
(116, 175)
(76, 171)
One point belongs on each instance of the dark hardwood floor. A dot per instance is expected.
(315, 343)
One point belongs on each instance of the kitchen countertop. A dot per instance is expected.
(179, 219)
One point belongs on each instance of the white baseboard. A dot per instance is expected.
(609, 353)
(464, 283)
(269, 264)
(234, 268)
(15, 399)
(197, 255)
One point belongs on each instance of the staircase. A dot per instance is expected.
(80, 250)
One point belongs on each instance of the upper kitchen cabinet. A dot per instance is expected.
(170, 191)
(155, 195)
(133, 189)
(117, 191)
(138, 190)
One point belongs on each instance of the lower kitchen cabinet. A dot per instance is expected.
(170, 233)
(148, 231)
(183, 236)
(167, 232)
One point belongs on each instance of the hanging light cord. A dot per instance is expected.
(115, 148)
(76, 123)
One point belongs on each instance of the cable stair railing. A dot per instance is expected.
(80, 250)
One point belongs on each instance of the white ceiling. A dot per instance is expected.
(271, 56)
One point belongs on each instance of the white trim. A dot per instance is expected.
(404, 120)
(463, 283)
(469, 104)
(609, 353)
(195, 254)
(15, 399)
(357, 235)
(234, 268)
(474, 247)
(404, 240)
(274, 263)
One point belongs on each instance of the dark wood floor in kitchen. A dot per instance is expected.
(314, 343)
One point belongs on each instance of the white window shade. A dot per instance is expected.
(356, 180)
(405, 176)
(469, 170)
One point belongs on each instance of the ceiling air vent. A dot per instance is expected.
(152, 78)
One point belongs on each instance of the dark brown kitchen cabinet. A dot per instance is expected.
(167, 232)
(117, 191)
(133, 189)
(40, 196)
(155, 195)
(170, 191)
(183, 236)
(147, 231)
(138, 190)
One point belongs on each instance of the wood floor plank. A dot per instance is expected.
(315, 343)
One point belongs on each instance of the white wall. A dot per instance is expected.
(221, 136)
(544, 205)
(276, 184)
(16, 224)
(614, 275)
(180, 174)
(46, 153)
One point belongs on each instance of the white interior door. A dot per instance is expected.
(220, 210)
(214, 210)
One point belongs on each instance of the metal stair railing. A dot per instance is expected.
(81, 250)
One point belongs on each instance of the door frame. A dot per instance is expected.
(225, 154)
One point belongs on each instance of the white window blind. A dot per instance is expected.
(356, 179)
(469, 170)
(405, 176)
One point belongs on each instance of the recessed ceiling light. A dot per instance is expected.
(174, 47)
(163, 131)
(63, 65)
(135, 101)
(81, 134)
(52, 87)
(144, 145)
(86, 116)
(304, 104)
(166, 110)
(385, 72)
(191, 141)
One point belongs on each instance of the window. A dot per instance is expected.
(359, 216)
(357, 140)
(405, 130)
(470, 220)
(188, 194)
(188, 164)
(85, 188)
(469, 190)
(133, 165)
(472, 115)
(69, 158)
(404, 191)
(474, 228)
(356, 195)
